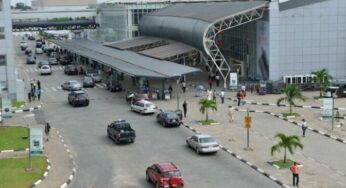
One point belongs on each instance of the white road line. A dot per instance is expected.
(53, 89)
(61, 68)
(59, 87)
(98, 85)
(36, 69)
(103, 84)
(46, 89)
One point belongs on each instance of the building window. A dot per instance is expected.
(2, 60)
(2, 33)
(1, 5)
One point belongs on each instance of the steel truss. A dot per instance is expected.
(215, 57)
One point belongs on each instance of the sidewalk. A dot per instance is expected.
(233, 137)
(61, 163)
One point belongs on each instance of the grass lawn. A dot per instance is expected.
(281, 163)
(12, 138)
(285, 114)
(15, 103)
(210, 121)
(13, 172)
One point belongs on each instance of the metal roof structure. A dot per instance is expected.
(134, 43)
(198, 24)
(125, 61)
(168, 51)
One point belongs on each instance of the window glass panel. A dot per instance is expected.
(2, 60)
(2, 33)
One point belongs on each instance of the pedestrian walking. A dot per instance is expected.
(38, 84)
(183, 86)
(47, 130)
(210, 82)
(38, 94)
(222, 95)
(214, 95)
(170, 89)
(209, 95)
(33, 93)
(238, 98)
(295, 173)
(29, 96)
(185, 108)
(217, 79)
(231, 113)
(304, 126)
(252, 88)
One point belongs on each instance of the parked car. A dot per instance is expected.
(71, 70)
(28, 51)
(88, 82)
(30, 60)
(45, 69)
(71, 85)
(38, 51)
(31, 37)
(203, 143)
(133, 96)
(143, 107)
(23, 45)
(43, 62)
(121, 131)
(168, 118)
(164, 175)
(38, 44)
(52, 61)
(64, 60)
(95, 76)
(78, 98)
(114, 86)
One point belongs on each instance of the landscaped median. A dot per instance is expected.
(14, 173)
(13, 138)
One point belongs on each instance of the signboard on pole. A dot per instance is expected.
(247, 121)
(327, 108)
(6, 107)
(233, 81)
(36, 141)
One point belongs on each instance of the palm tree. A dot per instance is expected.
(286, 142)
(292, 92)
(205, 104)
(323, 79)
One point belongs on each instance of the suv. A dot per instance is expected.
(31, 60)
(143, 107)
(121, 131)
(71, 70)
(76, 98)
(165, 175)
(114, 86)
(23, 45)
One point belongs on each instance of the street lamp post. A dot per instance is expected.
(178, 105)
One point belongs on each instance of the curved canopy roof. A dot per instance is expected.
(188, 22)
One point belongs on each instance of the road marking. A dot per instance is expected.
(100, 86)
(53, 89)
(103, 84)
(46, 89)
(59, 87)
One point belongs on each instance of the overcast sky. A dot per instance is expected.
(28, 2)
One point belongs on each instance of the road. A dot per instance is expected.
(102, 163)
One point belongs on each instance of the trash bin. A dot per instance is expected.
(179, 113)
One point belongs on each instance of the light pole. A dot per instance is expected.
(333, 113)
(27, 125)
(178, 105)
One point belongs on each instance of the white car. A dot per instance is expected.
(38, 51)
(143, 107)
(203, 143)
(45, 69)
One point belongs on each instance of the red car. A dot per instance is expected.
(165, 175)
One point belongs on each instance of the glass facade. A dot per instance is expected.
(307, 38)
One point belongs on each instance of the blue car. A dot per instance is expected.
(30, 60)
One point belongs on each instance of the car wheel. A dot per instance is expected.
(187, 143)
(163, 124)
(109, 135)
(116, 141)
(74, 104)
(197, 151)
(147, 177)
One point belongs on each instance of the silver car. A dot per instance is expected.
(203, 143)
(71, 85)
(95, 76)
(53, 61)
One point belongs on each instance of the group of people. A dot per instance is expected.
(211, 95)
(212, 78)
(240, 97)
(35, 91)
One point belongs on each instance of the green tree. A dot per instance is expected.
(292, 93)
(289, 143)
(205, 104)
(323, 79)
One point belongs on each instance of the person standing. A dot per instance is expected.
(38, 94)
(210, 82)
(183, 86)
(29, 96)
(47, 130)
(231, 113)
(38, 84)
(170, 90)
(238, 98)
(222, 95)
(295, 173)
(217, 79)
(214, 95)
(304, 126)
(185, 108)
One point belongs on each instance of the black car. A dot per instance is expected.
(114, 86)
(28, 51)
(71, 70)
(31, 60)
(168, 118)
(43, 62)
(121, 131)
(64, 60)
(78, 98)
(88, 82)
(31, 37)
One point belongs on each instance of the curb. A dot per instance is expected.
(13, 150)
(44, 175)
(74, 169)
(23, 110)
(295, 123)
(282, 105)
(244, 161)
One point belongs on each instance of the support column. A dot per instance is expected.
(163, 89)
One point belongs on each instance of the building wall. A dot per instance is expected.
(44, 4)
(307, 38)
(8, 74)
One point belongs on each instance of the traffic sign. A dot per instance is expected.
(247, 121)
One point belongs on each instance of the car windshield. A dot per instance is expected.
(149, 104)
(206, 140)
(88, 79)
(45, 67)
(81, 95)
(44, 62)
(170, 174)
(124, 126)
(74, 82)
(172, 115)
